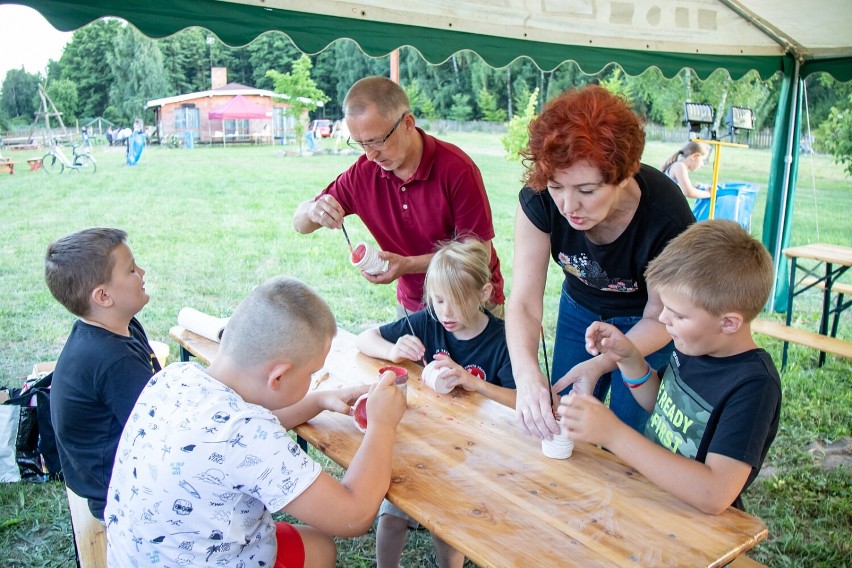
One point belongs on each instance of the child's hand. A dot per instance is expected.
(386, 402)
(456, 375)
(341, 400)
(407, 347)
(587, 419)
(605, 338)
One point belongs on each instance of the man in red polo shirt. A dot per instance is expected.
(411, 190)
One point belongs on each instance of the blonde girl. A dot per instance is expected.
(691, 157)
(460, 334)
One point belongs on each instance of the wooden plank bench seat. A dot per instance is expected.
(25, 146)
(811, 339)
(89, 534)
(836, 287)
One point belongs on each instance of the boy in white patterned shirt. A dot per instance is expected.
(203, 461)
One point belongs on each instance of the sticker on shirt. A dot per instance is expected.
(476, 371)
(592, 275)
(679, 418)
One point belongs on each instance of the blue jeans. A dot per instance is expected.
(570, 349)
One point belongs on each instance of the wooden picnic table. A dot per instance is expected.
(464, 471)
(832, 261)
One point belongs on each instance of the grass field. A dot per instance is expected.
(209, 224)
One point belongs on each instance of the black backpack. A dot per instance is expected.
(36, 439)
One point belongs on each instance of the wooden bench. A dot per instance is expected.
(34, 164)
(811, 339)
(89, 533)
(29, 146)
(7, 166)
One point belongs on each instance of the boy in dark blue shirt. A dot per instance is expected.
(106, 361)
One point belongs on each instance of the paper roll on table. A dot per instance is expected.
(203, 324)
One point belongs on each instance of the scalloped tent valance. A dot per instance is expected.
(737, 35)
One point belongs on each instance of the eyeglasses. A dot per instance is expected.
(378, 145)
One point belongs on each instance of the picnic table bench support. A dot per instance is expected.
(89, 533)
(810, 280)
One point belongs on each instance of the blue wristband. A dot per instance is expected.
(635, 383)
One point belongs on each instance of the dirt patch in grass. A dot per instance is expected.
(826, 456)
(835, 454)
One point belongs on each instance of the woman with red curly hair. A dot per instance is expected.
(602, 215)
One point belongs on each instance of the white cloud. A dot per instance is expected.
(28, 40)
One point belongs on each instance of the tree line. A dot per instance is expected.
(110, 70)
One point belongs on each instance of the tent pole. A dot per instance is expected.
(785, 184)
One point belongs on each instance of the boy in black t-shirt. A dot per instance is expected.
(716, 405)
(106, 361)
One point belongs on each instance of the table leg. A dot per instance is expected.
(790, 294)
(184, 354)
(837, 310)
(826, 307)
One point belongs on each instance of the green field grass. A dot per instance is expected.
(209, 224)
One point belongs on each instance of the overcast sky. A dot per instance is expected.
(27, 39)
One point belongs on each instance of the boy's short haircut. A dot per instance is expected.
(459, 271)
(718, 266)
(77, 263)
(283, 317)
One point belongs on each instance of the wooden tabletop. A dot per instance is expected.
(462, 469)
(833, 254)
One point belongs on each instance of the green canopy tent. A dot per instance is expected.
(768, 36)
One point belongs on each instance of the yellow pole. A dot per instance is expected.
(716, 159)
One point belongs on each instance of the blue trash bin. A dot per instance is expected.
(734, 201)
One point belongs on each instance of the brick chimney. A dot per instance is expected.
(218, 77)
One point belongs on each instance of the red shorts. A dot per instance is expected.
(291, 549)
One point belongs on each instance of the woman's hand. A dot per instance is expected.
(534, 407)
(584, 376)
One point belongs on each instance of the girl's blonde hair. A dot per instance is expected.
(459, 271)
(688, 149)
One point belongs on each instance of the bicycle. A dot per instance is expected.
(55, 161)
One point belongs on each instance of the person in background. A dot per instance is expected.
(457, 332)
(106, 360)
(411, 190)
(602, 216)
(206, 459)
(691, 157)
(85, 143)
(717, 402)
(135, 143)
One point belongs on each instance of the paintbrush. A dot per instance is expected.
(411, 327)
(546, 365)
(345, 234)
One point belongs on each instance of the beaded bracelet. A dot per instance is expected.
(636, 383)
